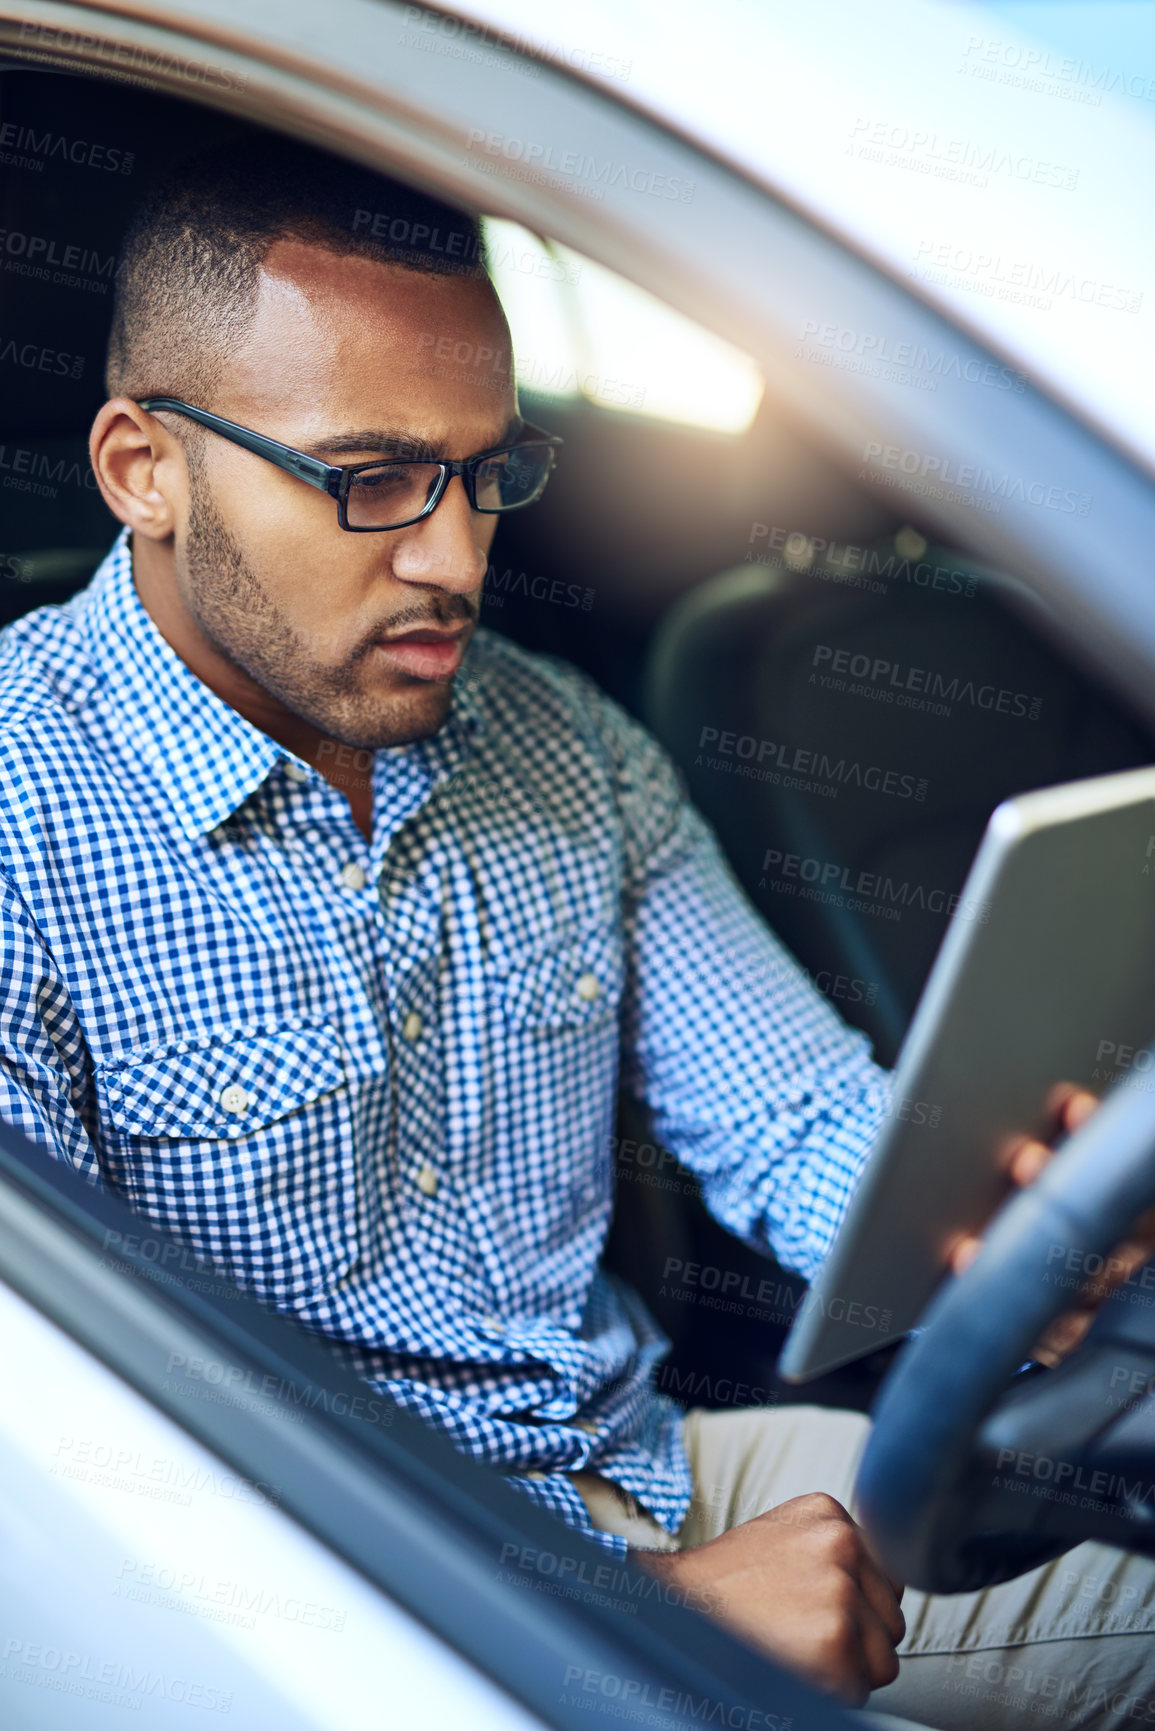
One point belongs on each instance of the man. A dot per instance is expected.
(331, 924)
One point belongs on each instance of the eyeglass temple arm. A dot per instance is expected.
(541, 435)
(311, 469)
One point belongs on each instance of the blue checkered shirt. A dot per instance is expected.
(375, 1082)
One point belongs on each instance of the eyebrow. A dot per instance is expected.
(396, 442)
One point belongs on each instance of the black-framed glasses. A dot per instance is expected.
(393, 492)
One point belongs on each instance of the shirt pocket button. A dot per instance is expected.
(588, 987)
(235, 1099)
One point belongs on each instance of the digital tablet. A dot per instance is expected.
(1046, 974)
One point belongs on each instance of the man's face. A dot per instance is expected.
(357, 634)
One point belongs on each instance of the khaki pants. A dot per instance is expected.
(1067, 1646)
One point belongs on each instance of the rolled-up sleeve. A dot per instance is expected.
(752, 1079)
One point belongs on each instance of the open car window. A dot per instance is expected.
(842, 559)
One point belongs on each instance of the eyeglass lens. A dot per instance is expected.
(395, 493)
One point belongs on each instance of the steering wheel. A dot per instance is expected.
(970, 1477)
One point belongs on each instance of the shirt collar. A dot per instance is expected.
(208, 758)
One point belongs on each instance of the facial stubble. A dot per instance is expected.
(236, 612)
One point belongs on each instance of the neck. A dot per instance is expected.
(154, 577)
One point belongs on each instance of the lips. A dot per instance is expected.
(425, 654)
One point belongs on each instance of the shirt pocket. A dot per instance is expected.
(573, 982)
(554, 1078)
(240, 1144)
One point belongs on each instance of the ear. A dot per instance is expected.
(140, 469)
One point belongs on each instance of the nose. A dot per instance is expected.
(449, 548)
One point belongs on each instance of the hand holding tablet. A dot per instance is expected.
(1037, 1002)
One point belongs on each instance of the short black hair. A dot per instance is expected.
(187, 274)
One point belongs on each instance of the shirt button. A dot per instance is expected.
(427, 1181)
(586, 1424)
(296, 771)
(411, 1026)
(588, 987)
(491, 1325)
(234, 1098)
(352, 877)
(536, 1475)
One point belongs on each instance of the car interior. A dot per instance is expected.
(706, 561)
(707, 578)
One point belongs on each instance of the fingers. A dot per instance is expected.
(1067, 1109)
(962, 1252)
(873, 1611)
(879, 1659)
(851, 1609)
(1062, 1336)
(1076, 1109)
(1027, 1160)
(881, 1594)
(852, 1650)
(870, 1598)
